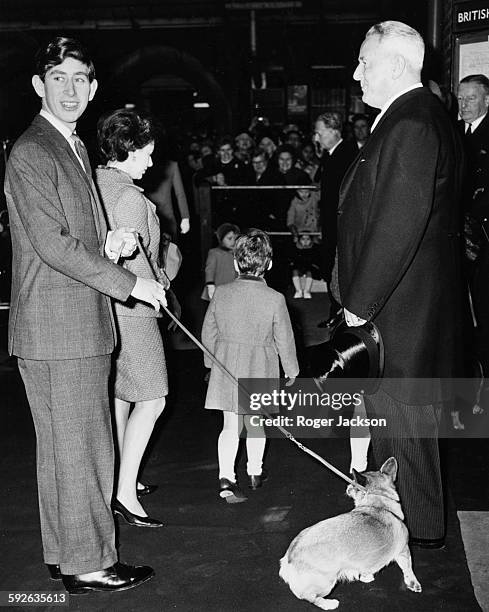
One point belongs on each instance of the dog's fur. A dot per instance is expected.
(352, 546)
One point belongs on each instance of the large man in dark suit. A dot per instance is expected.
(398, 253)
(337, 155)
(61, 325)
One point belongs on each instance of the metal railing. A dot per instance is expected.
(203, 206)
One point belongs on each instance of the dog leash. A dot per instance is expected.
(235, 381)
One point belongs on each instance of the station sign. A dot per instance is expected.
(470, 16)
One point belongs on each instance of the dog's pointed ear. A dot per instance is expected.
(390, 468)
(358, 477)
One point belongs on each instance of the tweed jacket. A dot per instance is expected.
(399, 242)
(126, 206)
(247, 327)
(60, 307)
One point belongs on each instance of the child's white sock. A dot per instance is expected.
(307, 287)
(255, 447)
(297, 286)
(227, 446)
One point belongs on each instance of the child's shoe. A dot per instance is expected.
(231, 492)
(298, 294)
(256, 481)
(307, 295)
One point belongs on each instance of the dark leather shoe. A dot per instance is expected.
(54, 571)
(426, 543)
(147, 490)
(255, 482)
(118, 577)
(230, 491)
(134, 519)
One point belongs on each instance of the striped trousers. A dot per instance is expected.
(419, 481)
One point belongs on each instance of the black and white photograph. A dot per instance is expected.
(244, 335)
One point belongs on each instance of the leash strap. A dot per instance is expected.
(235, 381)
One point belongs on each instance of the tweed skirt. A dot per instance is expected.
(140, 366)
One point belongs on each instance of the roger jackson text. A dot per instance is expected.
(303, 421)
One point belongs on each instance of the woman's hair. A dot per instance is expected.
(224, 229)
(55, 53)
(121, 132)
(253, 252)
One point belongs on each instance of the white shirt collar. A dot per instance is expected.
(475, 124)
(64, 131)
(383, 110)
(55, 122)
(333, 148)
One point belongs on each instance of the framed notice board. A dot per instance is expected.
(471, 56)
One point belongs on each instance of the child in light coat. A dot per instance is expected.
(247, 327)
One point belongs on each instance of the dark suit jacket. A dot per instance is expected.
(398, 243)
(476, 147)
(330, 174)
(60, 307)
(259, 205)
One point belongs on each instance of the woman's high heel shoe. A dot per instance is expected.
(134, 519)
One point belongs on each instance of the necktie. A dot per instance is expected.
(83, 155)
(81, 151)
(469, 130)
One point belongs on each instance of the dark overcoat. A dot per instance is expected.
(398, 242)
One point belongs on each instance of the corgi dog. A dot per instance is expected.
(351, 546)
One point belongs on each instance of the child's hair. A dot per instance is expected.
(224, 229)
(253, 252)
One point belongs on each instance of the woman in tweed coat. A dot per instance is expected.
(247, 327)
(126, 140)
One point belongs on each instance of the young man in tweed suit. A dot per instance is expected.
(61, 326)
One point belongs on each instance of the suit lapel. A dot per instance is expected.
(350, 173)
(87, 178)
(60, 142)
(363, 154)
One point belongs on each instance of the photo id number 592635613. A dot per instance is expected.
(34, 598)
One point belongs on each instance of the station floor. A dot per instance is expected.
(214, 557)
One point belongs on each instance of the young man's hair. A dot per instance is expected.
(55, 53)
(253, 252)
(122, 131)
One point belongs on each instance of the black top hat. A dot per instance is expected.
(351, 352)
